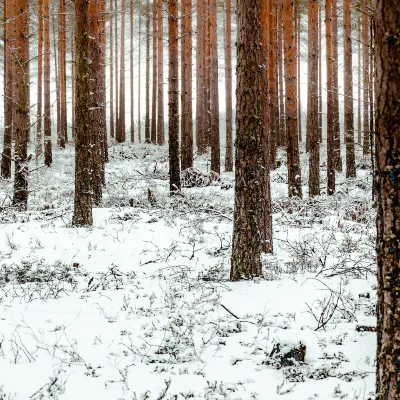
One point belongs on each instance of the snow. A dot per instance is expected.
(139, 306)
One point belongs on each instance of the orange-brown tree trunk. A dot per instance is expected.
(39, 112)
(154, 86)
(365, 51)
(292, 137)
(298, 49)
(116, 68)
(121, 128)
(280, 141)
(112, 105)
(160, 58)
(147, 121)
(62, 76)
(312, 112)
(132, 128)
(173, 96)
(48, 154)
(186, 82)
(139, 74)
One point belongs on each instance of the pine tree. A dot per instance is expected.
(160, 78)
(39, 112)
(173, 96)
(62, 76)
(147, 120)
(154, 86)
(112, 103)
(365, 52)
(22, 120)
(132, 128)
(387, 89)
(121, 128)
(48, 153)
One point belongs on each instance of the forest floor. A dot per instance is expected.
(140, 306)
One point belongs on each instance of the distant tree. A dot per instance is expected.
(62, 76)
(39, 112)
(139, 72)
(160, 58)
(121, 130)
(48, 153)
(154, 86)
(330, 124)
(131, 19)
(387, 89)
(228, 86)
(173, 95)
(186, 85)
(147, 120)
(248, 241)
(116, 64)
(22, 120)
(348, 92)
(8, 90)
(312, 110)
(292, 136)
(112, 103)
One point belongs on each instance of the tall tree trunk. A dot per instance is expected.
(147, 122)
(359, 60)
(56, 70)
(248, 241)
(365, 33)
(132, 129)
(348, 92)
(312, 112)
(282, 129)
(201, 139)
(73, 76)
(112, 104)
(330, 99)
(265, 213)
(103, 91)
(186, 81)
(371, 96)
(214, 93)
(154, 87)
(335, 89)
(320, 73)
(22, 122)
(292, 137)
(160, 58)
(48, 153)
(207, 73)
(116, 69)
(140, 75)
(39, 112)
(228, 86)
(298, 29)
(387, 89)
(62, 73)
(173, 94)
(8, 92)
(272, 60)
(121, 130)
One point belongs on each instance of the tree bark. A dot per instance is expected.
(140, 75)
(39, 112)
(147, 121)
(348, 92)
(173, 94)
(292, 137)
(48, 153)
(112, 104)
(365, 33)
(387, 90)
(280, 139)
(116, 69)
(186, 82)
(298, 29)
(121, 129)
(359, 59)
(22, 120)
(320, 124)
(154, 87)
(160, 58)
(62, 73)
(228, 86)
(248, 240)
(132, 129)
(312, 112)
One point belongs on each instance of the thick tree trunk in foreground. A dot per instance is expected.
(359, 61)
(365, 51)
(330, 123)
(160, 58)
(298, 28)
(228, 87)
(292, 137)
(248, 240)
(387, 89)
(39, 113)
(8, 102)
(214, 93)
(186, 79)
(312, 112)
(22, 120)
(154, 87)
(280, 138)
(348, 92)
(48, 154)
(173, 96)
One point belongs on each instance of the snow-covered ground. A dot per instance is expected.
(140, 306)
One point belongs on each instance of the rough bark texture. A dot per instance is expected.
(121, 129)
(359, 60)
(365, 40)
(160, 58)
(154, 86)
(62, 76)
(139, 76)
(298, 28)
(228, 86)
(116, 67)
(173, 96)
(22, 122)
(387, 89)
(312, 112)
(280, 138)
(147, 117)
(335, 89)
(248, 240)
(214, 93)
(132, 128)
(320, 74)
(273, 84)
(330, 101)
(39, 112)
(186, 82)
(8, 103)
(112, 105)
(48, 153)
(292, 137)
(348, 92)
(201, 140)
